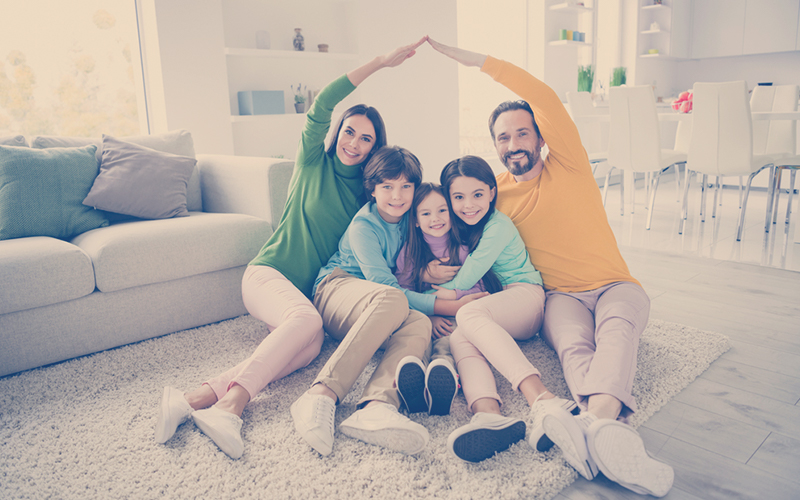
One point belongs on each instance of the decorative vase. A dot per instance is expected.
(299, 42)
(300, 107)
(323, 47)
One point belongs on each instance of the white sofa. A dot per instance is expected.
(140, 279)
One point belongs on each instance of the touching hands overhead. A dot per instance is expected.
(465, 57)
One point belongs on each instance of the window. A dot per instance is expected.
(71, 69)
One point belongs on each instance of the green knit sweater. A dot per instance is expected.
(324, 195)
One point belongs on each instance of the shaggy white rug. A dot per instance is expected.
(84, 428)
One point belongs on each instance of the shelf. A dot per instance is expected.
(654, 7)
(651, 32)
(562, 43)
(569, 6)
(660, 56)
(288, 54)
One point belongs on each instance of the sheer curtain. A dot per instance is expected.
(71, 68)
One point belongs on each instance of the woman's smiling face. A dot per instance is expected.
(470, 199)
(355, 141)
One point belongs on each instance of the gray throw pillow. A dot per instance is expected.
(14, 140)
(139, 181)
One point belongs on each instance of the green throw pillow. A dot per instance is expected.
(42, 192)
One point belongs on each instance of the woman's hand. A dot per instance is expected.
(465, 57)
(400, 54)
(442, 327)
(390, 60)
(438, 273)
(444, 293)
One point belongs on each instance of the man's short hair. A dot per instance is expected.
(511, 106)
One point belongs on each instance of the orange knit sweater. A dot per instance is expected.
(560, 213)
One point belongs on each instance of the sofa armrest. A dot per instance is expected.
(249, 185)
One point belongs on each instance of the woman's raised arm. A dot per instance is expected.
(390, 60)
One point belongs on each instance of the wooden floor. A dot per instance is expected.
(735, 431)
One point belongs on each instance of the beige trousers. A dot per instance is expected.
(365, 316)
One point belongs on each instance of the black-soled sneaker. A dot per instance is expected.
(485, 435)
(410, 381)
(441, 384)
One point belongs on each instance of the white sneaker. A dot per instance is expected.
(441, 386)
(620, 454)
(382, 425)
(409, 378)
(568, 432)
(313, 419)
(174, 411)
(485, 435)
(536, 435)
(224, 428)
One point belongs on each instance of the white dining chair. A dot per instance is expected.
(634, 142)
(579, 105)
(722, 142)
(777, 138)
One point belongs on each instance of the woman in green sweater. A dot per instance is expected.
(325, 192)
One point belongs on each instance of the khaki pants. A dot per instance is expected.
(366, 316)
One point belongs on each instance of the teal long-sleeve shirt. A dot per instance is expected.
(368, 250)
(502, 250)
(324, 195)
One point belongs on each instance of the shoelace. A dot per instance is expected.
(323, 415)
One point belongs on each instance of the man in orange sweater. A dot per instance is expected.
(595, 310)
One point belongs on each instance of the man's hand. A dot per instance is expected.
(438, 273)
(465, 57)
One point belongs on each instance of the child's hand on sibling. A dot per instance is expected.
(442, 327)
(444, 293)
(438, 273)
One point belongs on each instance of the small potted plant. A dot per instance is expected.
(299, 97)
(618, 77)
(585, 78)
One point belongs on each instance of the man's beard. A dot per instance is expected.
(520, 167)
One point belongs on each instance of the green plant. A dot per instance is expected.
(618, 77)
(585, 78)
(299, 93)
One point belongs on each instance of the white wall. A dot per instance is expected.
(779, 68)
(419, 99)
(185, 70)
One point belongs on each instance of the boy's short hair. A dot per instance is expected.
(389, 163)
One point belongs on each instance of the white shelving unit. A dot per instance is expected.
(555, 60)
(663, 29)
(280, 67)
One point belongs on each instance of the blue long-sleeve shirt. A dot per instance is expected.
(368, 250)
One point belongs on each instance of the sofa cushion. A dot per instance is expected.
(139, 181)
(178, 142)
(14, 140)
(40, 271)
(153, 251)
(41, 192)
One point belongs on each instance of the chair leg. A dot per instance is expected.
(685, 207)
(792, 176)
(744, 207)
(778, 171)
(741, 188)
(605, 184)
(652, 200)
(677, 182)
(770, 195)
(622, 192)
(716, 195)
(703, 198)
